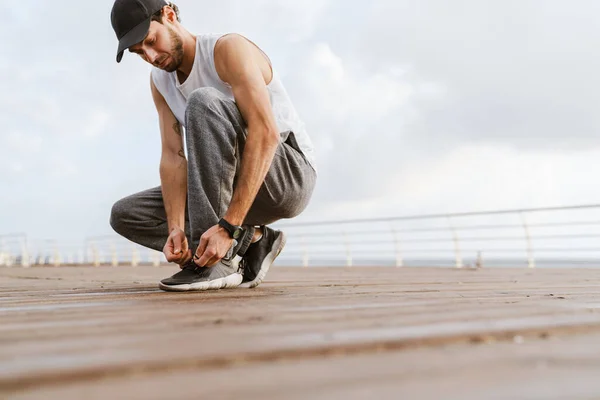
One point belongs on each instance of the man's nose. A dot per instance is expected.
(151, 55)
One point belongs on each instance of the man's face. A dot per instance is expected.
(162, 47)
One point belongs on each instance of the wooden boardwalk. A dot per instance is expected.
(306, 333)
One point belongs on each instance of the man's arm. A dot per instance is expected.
(237, 64)
(173, 175)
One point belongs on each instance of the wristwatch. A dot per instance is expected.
(235, 232)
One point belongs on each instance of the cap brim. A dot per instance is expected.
(132, 37)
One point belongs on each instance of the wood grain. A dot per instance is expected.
(109, 332)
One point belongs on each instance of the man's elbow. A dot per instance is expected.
(269, 136)
(274, 137)
(172, 159)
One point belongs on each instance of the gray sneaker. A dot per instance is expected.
(225, 274)
(260, 256)
(194, 278)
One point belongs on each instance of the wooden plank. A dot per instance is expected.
(66, 329)
(558, 368)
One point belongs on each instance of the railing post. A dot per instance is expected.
(3, 252)
(305, 258)
(57, 257)
(95, 254)
(459, 261)
(530, 257)
(134, 256)
(26, 256)
(113, 254)
(399, 260)
(25, 260)
(348, 253)
(155, 258)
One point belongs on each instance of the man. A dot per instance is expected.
(249, 159)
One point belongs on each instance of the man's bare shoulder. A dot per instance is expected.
(230, 41)
(235, 49)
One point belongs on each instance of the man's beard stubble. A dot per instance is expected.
(176, 51)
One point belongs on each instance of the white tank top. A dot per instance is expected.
(204, 74)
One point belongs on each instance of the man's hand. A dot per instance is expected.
(214, 244)
(176, 249)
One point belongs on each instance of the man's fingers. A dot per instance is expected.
(177, 245)
(200, 250)
(188, 256)
(180, 258)
(202, 246)
(207, 255)
(184, 245)
(172, 258)
(176, 249)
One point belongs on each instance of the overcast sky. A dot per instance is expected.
(422, 106)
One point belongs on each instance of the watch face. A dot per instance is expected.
(237, 233)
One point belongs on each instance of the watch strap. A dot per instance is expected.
(231, 229)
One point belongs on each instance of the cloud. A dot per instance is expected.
(358, 119)
(516, 72)
(344, 94)
(477, 177)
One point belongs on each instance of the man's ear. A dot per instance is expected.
(169, 14)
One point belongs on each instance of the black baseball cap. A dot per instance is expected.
(131, 20)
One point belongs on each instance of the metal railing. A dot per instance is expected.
(561, 236)
(114, 250)
(14, 250)
(553, 236)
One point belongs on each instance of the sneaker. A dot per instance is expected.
(260, 256)
(225, 274)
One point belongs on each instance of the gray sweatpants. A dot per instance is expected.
(215, 138)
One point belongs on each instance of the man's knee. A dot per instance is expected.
(292, 210)
(289, 206)
(296, 200)
(120, 215)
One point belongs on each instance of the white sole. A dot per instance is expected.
(226, 282)
(267, 262)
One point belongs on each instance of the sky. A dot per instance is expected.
(414, 107)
